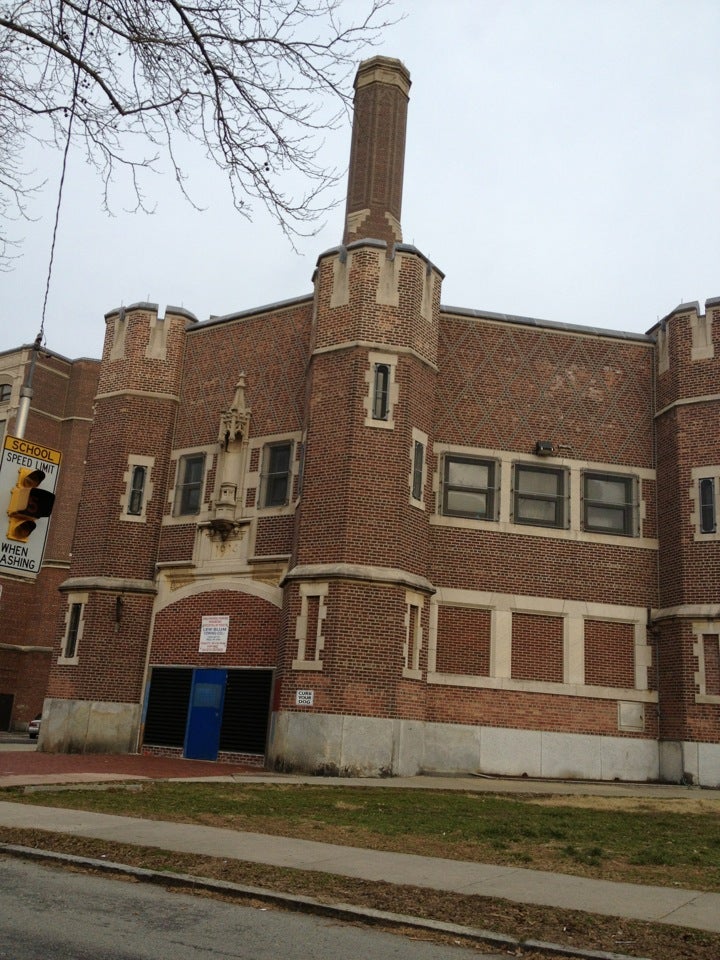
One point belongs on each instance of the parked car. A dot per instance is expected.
(34, 728)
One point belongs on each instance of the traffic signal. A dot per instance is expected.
(27, 504)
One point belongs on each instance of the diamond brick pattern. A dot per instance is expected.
(504, 386)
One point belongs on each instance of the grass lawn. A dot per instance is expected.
(663, 842)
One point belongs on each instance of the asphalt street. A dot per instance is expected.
(49, 912)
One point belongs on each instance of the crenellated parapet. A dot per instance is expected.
(143, 349)
(688, 353)
(366, 297)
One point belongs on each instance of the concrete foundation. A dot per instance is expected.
(84, 726)
(362, 746)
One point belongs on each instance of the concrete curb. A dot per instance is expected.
(289, 901)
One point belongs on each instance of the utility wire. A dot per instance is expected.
(76, 84)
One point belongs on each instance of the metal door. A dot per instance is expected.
(207, 695)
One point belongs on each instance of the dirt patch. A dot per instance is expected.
(691, 805)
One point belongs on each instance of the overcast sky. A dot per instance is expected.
(563, 162)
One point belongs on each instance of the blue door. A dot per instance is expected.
(202, 736)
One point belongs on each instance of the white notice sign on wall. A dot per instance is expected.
(214, 634)
(304, 698)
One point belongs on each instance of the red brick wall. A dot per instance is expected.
(537, 647)
(111, 652)
(252, 635)
(463, 641)
(609, 654)
(363, 657)
(505, 708)
(24, 674)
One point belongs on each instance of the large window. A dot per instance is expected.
(609, 504)
(188, 492)
(708, 519)
(277, 458)
(540, 495)
(469, 487)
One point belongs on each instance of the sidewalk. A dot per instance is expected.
(690, 908)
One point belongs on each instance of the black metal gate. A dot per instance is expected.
(246, 709)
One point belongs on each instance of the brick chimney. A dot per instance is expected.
(377, 154)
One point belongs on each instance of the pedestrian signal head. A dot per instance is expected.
(28, 503)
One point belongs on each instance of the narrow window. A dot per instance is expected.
(417, 476)
(539, 496)
(73, 630)
(469, 488)
(381, 392)
(188, 495)
(708, 520)
(608, 504)
(137, 491)
(276, 477)
(5, 390)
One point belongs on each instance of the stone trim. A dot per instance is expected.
(710, 472)
(574, 614)
(387, 576)
(701, 629)
(318, 591)
(135, 460)
(113, 584)
(688, 401)
(112, 394)
(413, 643)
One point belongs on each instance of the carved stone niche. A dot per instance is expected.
(226, 515)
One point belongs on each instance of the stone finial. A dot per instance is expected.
(234, 421)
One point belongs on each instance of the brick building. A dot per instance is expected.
(362, 532)
(60, 416)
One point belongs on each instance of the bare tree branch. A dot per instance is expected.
(255, 82)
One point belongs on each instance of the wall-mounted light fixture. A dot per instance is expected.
(544, 448)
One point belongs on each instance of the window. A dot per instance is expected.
(137, 491)
(73, 631)
(609, 504)
(708, 519)
(469, 488)
(417, 470)
(188, 493)
(539, 496)
(381, 392)
(5, 390)
(276, 474)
